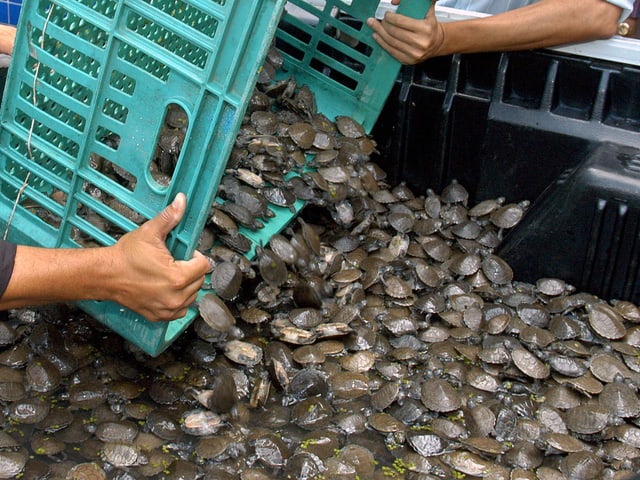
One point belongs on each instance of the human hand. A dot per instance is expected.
(408, 40)
(149, 280)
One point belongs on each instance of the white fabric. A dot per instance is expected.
(499, 6)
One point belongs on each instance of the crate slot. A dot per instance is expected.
(94, 229)
(122, 82)
(168, 40)
(143, 62)
(25, 157)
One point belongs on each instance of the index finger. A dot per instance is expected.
(401, 21)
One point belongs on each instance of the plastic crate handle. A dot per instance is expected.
(413, 8)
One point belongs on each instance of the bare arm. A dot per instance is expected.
(7, 38)
(137, 272)
(542, 24)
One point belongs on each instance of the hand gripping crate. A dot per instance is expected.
(86, 71)
(112, 67)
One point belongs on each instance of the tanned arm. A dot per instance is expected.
(137, 272)
(542, 24)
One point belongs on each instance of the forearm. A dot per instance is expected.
(7, 38)
(542, 24)
(58, 275)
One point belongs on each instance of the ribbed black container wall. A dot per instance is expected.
(560, 131)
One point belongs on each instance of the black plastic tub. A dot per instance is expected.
(559, 130)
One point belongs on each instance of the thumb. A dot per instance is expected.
(168, 218)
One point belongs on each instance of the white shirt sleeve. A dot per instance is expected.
(484, 6)
(625, 5)
(499, 6)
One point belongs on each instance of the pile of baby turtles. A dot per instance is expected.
(378, 336)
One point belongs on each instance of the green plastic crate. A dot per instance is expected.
(337, 56)
(113, 67)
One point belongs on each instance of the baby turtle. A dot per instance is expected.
(271, 267)
(215, 313)
(587, 419)
(310, 236)
(509, 215)
(221, 396)
(402, 222)
(236, 241)
(620, 399)
(283, 249)
(122, 455)
(241, 214)
(335, 174)
(116, 431)
(497, 270)
(303, 102)
(439, 396)
(468, 463)
(437, 248)
(551, 286)
(86, 471)
(628, 310)
(529, 364)
(223, 221)
(226, 279)
(265, 122)
(582, 466)
(485, 207)
(454, 193)
(12, 463)
(254, 315)
(349, 385)
(252, 200)
(562, 442)
(247, 176)
(243, 353)
(465, 264)
(303, 134)
(605, 321)
(280, 196)
(467, 230)
(348, 127)
(396, 287)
